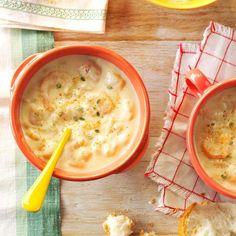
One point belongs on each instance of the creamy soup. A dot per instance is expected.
(215, 137)
(93, 98)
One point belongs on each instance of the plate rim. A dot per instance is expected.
(182, 6)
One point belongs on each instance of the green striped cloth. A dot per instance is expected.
(17, 175)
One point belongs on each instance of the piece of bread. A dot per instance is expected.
(118, 225)
(208, 219)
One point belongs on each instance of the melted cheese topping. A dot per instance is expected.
(215, 138)
(92, 97)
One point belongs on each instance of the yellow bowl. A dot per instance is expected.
(182, 4)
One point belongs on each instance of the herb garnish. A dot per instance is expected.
(81, 118)
(97, 130)
(82, 78)
(223, 176)
(58, 85)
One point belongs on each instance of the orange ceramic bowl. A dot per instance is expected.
(33, 63)
(202, 88)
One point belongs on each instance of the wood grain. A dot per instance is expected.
(148, 37)
(86, 205)
(142, 20)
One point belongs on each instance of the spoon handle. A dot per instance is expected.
(34, 198)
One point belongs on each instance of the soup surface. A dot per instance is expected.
(215, 138)
(93, 98)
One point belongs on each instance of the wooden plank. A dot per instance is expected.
(154, 61)
(86, 205)
(147, 36)
(142, 20)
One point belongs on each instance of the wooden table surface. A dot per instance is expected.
(147, 36)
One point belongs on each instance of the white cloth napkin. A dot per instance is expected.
(170, 166)
(53, 15)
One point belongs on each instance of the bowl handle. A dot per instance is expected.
(197, 82)
(19, 69)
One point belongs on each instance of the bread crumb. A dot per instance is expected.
(152, 201)
(126, 210)
(151, 225)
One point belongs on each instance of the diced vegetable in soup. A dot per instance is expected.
(92, 97)
(215, 138)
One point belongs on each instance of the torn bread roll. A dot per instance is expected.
(118, 225)
(208, 219)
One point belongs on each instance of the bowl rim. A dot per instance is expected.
(16, 128)
(211, 91)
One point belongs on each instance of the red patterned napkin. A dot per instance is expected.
(170, 166)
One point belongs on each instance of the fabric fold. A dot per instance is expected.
(170, 166)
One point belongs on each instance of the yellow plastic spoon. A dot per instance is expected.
(33, 199)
